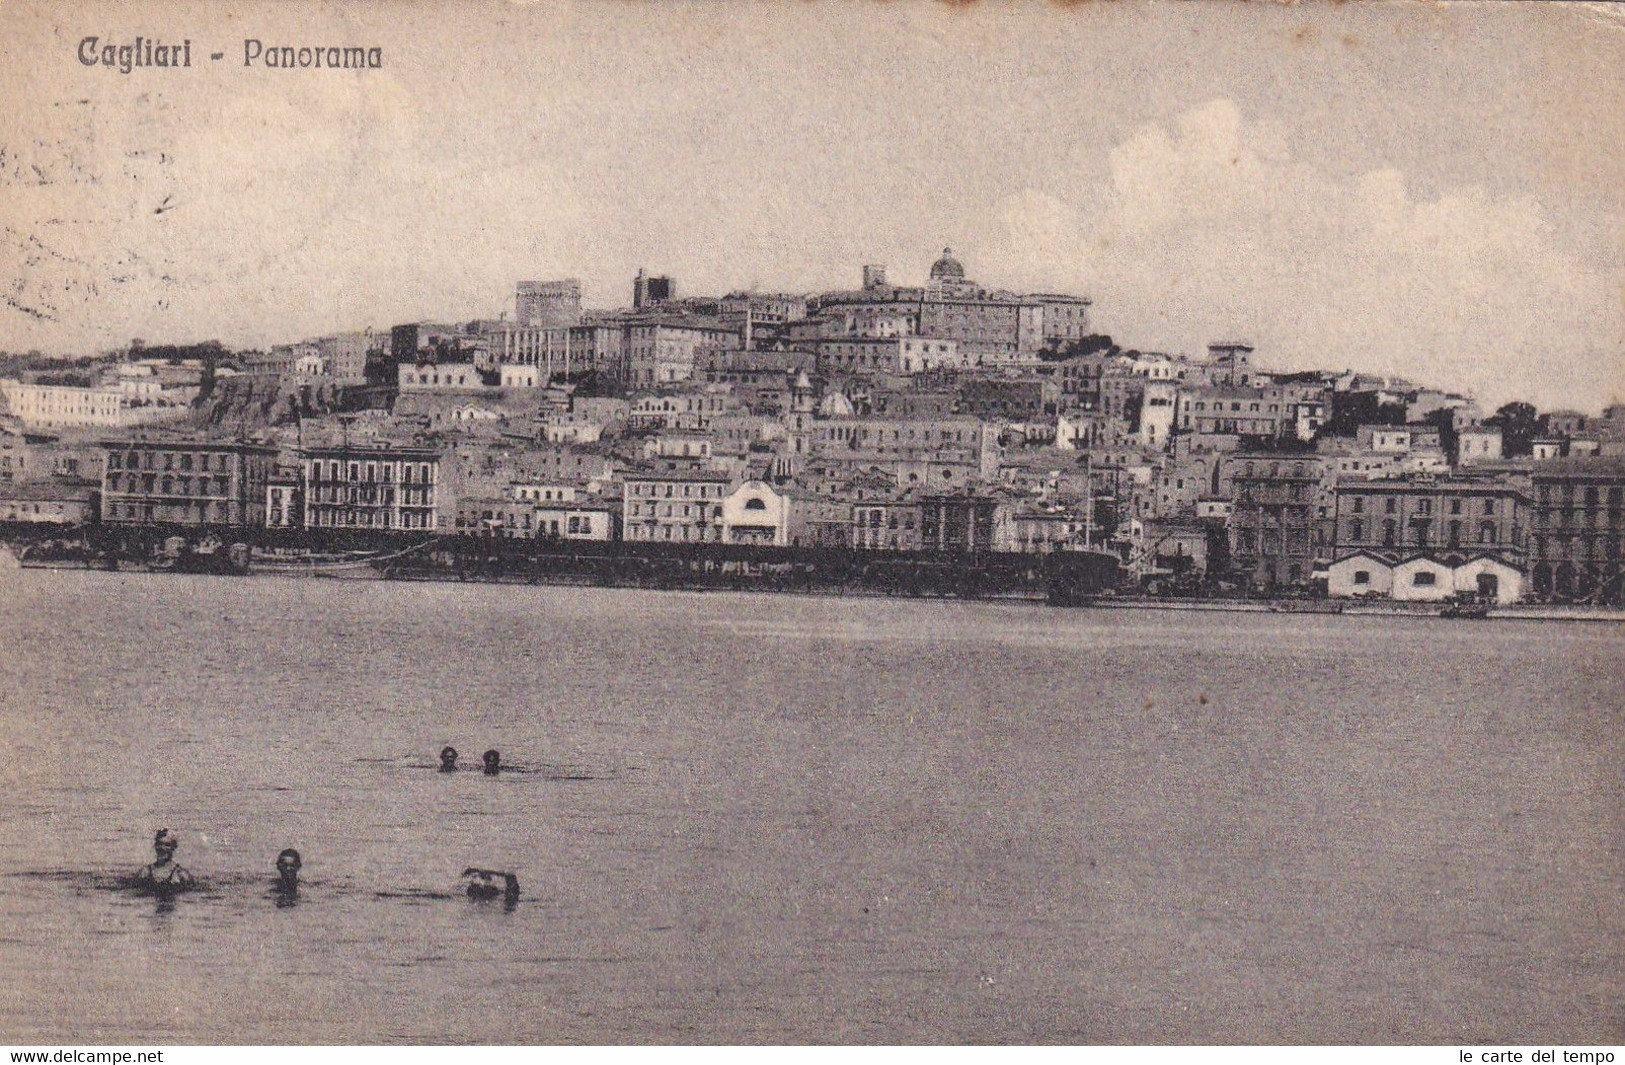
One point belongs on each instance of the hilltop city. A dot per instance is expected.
(941, 417)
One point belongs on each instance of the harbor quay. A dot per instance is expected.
(347, 554)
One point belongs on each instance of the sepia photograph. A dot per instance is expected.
(667, 523)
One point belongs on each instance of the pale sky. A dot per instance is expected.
(1430, 190)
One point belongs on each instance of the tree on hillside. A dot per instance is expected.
(1519, 424)
(1093, 344)
(1350, 410)
(1444, 420)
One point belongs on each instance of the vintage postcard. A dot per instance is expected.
(842, 523)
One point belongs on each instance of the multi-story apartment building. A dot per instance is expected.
(886, 524)
(666, 352)
(48, 502)
(371, 487)
(1276, 536)
(692, 410)
(567, 350)
(566, 464)
(344, 355)
(185, 482)
(1223, 409)
(1080, 377)
(958, 523)
(61, 406)
(819, 517)
(889, 355)
(440, 377)
(1019, 399)
(760, 379)
(901, 436)
(674, 506)
(1578, 529)
(1397, 518)
(285, 498)
(763, 308)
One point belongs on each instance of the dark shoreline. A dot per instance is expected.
(1107, 601)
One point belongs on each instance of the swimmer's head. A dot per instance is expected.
(448, 757)
(493, 761)
(288, 864)
(164, 843)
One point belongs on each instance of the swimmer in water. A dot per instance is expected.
(164, 876)
(493, 763)
(482, 885)
(448, 759)
(287, 872)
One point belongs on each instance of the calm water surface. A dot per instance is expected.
(757, 818)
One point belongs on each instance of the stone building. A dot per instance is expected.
(1455, 516)
(61, 406)
(958, 523)
(1276, 536)
(375, 486)
(185, 482)
(1577, 529)
(548, 304)
(674, 506)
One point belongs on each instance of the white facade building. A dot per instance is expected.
(754, 513)
(447, 376)
(62, 406)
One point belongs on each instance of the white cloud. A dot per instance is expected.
(1211, 228)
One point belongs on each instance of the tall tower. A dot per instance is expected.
(1233, 360)
(548, 304)
(650, 291)
(803, 402)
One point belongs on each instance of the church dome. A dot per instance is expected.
(947, 267)
(836, 405)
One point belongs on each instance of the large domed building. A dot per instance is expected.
(947, 267)
(948, 278)
(988, 328)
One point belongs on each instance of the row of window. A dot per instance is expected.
(386, 471)
(667, 490)
(1237, 426)
(1591, 494)
(1562, 519)
(1273, 493)
(168, 460)
(1577, 547)
(672, 510)
(1422, 578)
(876, 517)
(167, 485)
(699, 533)
(854, 435)
(368, 519)
(216, 512)
(1390, 505)
(1235, 407)
(1487, 533)
(372, 495)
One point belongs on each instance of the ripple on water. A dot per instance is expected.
(754, 818)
